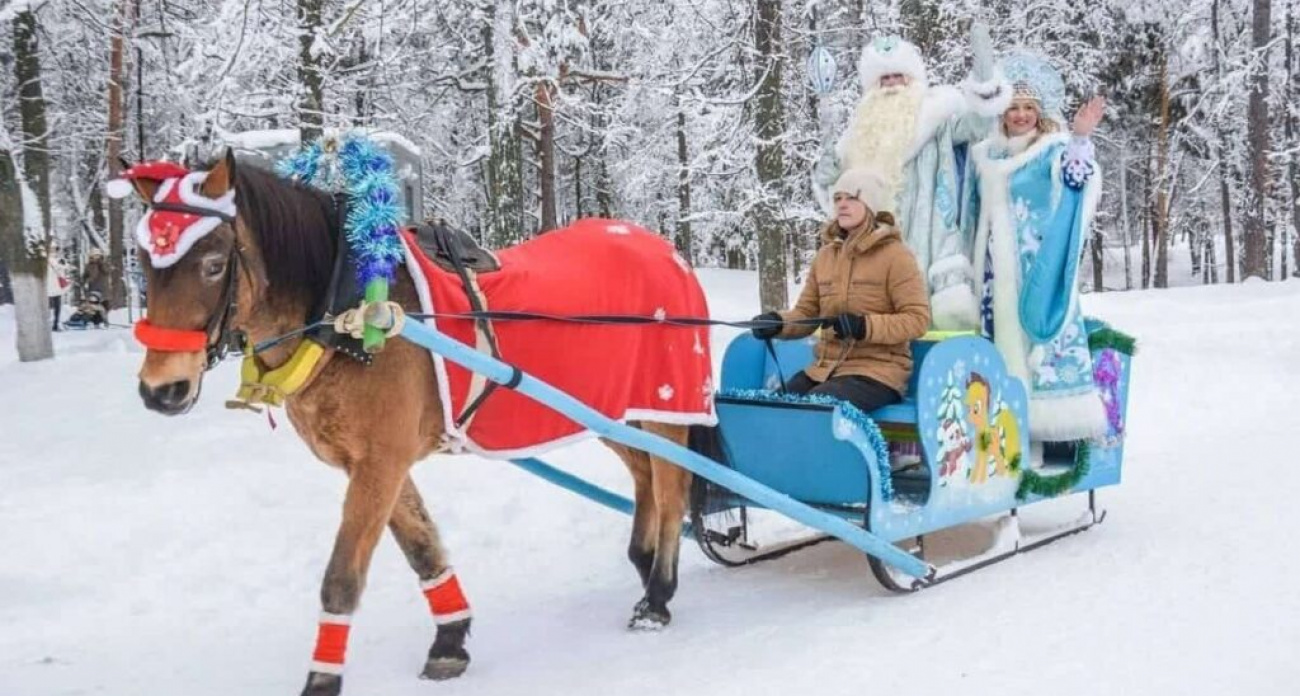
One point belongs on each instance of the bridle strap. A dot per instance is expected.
(192, 210)
(169, 340)
(223, 339)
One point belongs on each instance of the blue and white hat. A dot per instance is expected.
(1032, 77)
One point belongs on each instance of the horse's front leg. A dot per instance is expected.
(416, 533)
(372, 491)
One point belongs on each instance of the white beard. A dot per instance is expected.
(881, 132)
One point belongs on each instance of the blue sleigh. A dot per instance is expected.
(964, 425)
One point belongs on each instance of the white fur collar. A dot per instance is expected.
(999, 143)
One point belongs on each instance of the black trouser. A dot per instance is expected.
(865, 393)
(56, 306)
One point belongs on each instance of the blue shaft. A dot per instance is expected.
(697, 464)
(568, 481)
(584, 488)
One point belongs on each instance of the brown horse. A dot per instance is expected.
(260, 272)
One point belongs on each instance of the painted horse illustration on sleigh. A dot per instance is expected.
(241, 259)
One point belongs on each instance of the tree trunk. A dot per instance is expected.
(1161, 220)
(311, 111)
(505, 225)
(113, 151)
(1292, 174)
(1255, 259)
(1124, 222)
(545, 95)
(25, 249)
(1225, 195)
(1148, 226)
(769, 121)
(1210, 258)
(1098, 261)
(685, 243)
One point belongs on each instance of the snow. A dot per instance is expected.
(151, 555)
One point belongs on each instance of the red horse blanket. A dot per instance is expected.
(653, 372)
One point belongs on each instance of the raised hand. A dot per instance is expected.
(1085, 122)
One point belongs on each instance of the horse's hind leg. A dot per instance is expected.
(372, 492)
(671, 486)
(416, 533)
(645, 530)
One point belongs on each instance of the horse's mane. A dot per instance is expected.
(297, 228)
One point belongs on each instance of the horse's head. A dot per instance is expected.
(198, 261)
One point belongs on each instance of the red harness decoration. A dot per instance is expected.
(170, 340)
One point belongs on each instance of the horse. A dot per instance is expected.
(263, 266)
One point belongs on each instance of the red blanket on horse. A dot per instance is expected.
(653, 372)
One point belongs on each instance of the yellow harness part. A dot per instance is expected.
(260, 386)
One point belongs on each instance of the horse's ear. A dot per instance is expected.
(221, 178)
(121, 188)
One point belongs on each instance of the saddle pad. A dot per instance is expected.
(652, 372)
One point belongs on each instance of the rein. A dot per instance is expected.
(605, 319)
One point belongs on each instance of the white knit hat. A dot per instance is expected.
(866, 185)
(887, 55)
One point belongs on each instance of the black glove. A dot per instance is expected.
(848, 326)
(767, 331)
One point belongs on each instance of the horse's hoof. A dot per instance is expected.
(647, 618)
(444, 668)
(319, 684)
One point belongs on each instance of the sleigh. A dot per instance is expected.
(954, 452)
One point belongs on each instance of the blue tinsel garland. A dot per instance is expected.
(365, 171)
(851, 412)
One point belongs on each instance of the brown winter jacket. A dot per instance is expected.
(868, 272)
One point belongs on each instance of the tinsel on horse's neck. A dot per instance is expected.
(297, 229)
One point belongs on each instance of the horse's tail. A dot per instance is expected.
(706, 496)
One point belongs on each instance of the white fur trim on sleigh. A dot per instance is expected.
(988, 98)
(1060, 419)
(955, 308)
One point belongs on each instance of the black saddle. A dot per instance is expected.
(452, 249)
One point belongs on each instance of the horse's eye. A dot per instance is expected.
(213, 269)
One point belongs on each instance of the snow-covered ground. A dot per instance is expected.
(149, 555)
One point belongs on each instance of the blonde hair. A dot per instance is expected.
(1045, 125)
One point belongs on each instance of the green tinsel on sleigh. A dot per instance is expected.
(1107, 337)
(1032, 482)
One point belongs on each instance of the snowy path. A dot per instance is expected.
(143, 555)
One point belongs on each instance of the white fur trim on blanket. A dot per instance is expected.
(454, 439)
